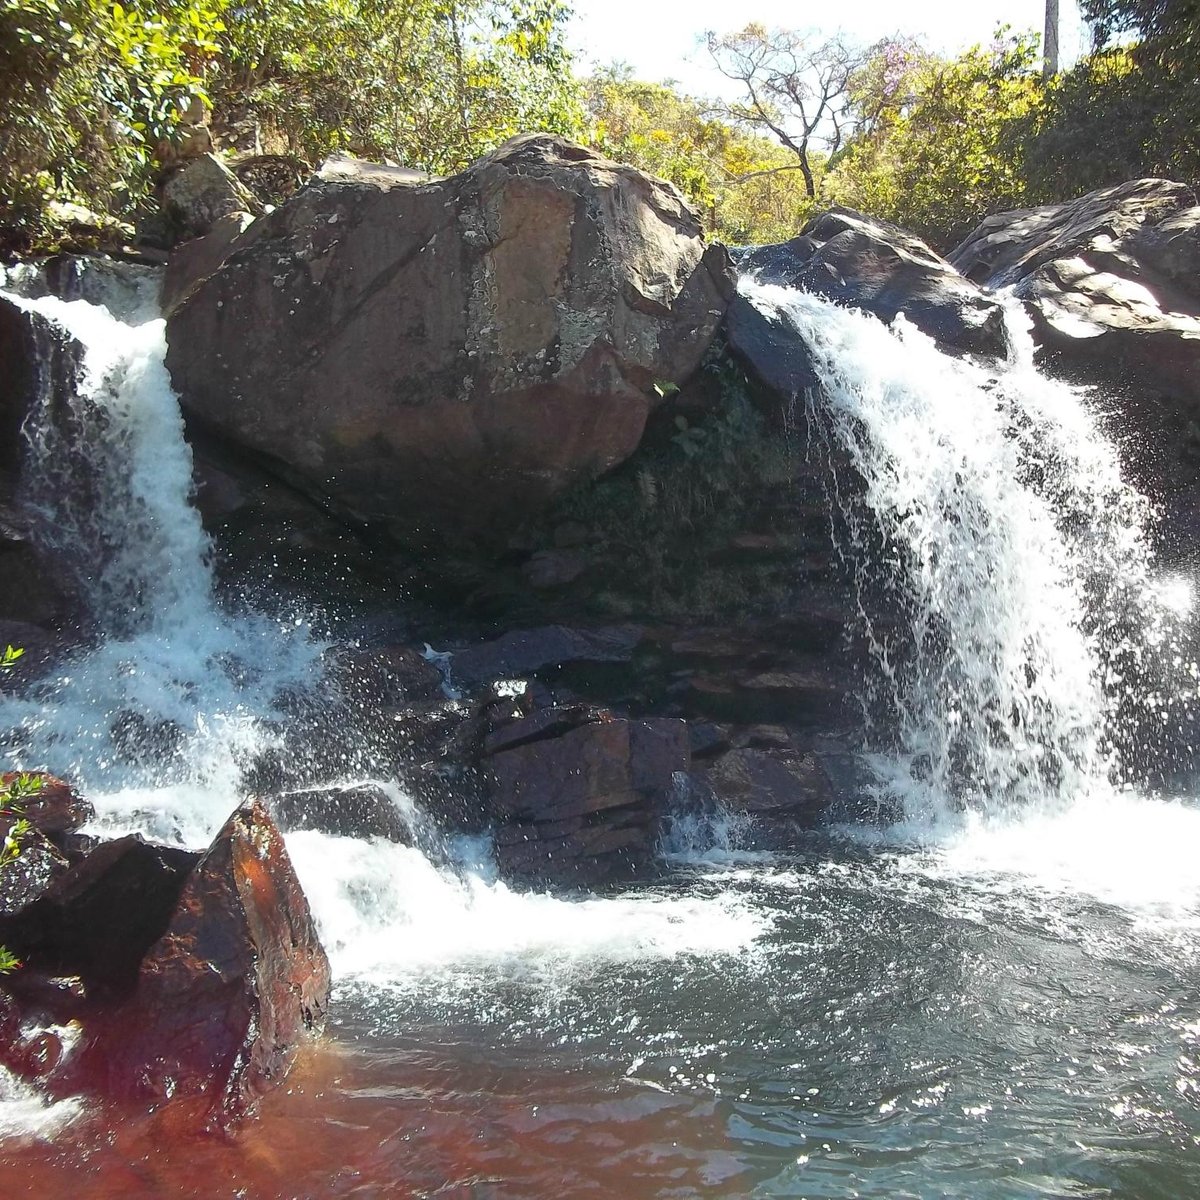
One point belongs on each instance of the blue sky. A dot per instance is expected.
(659, 38)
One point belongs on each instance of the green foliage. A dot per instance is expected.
(87, 91)
(941, 142)
(12, 808)
(430, 84)
(745, 186)
(662, 522)
(93, 92)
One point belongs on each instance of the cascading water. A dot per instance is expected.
(1025, 634)
(998, 999)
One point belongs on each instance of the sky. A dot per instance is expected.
(660, 38)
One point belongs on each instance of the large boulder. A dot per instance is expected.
(438, 359)
(865, 263)
(862, 262)
(226, 995)
(1110, 282)
(1110, 279)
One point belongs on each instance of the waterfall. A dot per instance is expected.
(1023, 649)
(173, 692)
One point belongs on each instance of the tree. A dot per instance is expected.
(88, 88)
(794, 87)
(942, 145)
(427, 83)
(739, 182)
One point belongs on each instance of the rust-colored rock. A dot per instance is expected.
(441, 358)
(228, 993)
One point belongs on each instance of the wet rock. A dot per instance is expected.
(54, 808)
(366, 811)
(862, 262)
(1108, 279)
(583, 808)
(554, 568)
(193, 261)
(225, 997)
(25, 880)
(138, 739)
(771, 784)
(388, 675)
(525, 651)
(97, 920)
(439, 360)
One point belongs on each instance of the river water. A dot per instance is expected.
(997, 996)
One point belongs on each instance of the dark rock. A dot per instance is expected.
(138, 739)
(550, 722)
(55, 808)
(1010, 246)
(97, 919)
(525, 651)
(439, 360)
(365, 811)
(862, 262)
(554, 568)
(225, 997)
(129, 290)
(193, 261)
(1107, 278)
(25, 880)
(771, 785)
(387, 675)
(584, 808)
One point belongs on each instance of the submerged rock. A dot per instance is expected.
(439, 359)
(227, 994)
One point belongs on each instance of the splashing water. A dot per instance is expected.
(109, 479)
(1024, 621)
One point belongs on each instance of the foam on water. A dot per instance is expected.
(389, 914)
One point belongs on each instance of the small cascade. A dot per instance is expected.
(1024, 649)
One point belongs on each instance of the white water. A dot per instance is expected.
(1006, 529)
(170, 653)
(1016, 560)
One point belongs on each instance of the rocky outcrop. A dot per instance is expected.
(227, 994)
(580, 794)
(440, 359)
(362, 811)
(96, 920)
(1110, 282)
(201, 192)
(862, 262)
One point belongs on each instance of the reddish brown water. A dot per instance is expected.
(404, 1123)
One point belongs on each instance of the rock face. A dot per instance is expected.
(862, 262)
(1110, 279)
(438, 359)
(202, 192)
(224, 998)
(581, 797)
